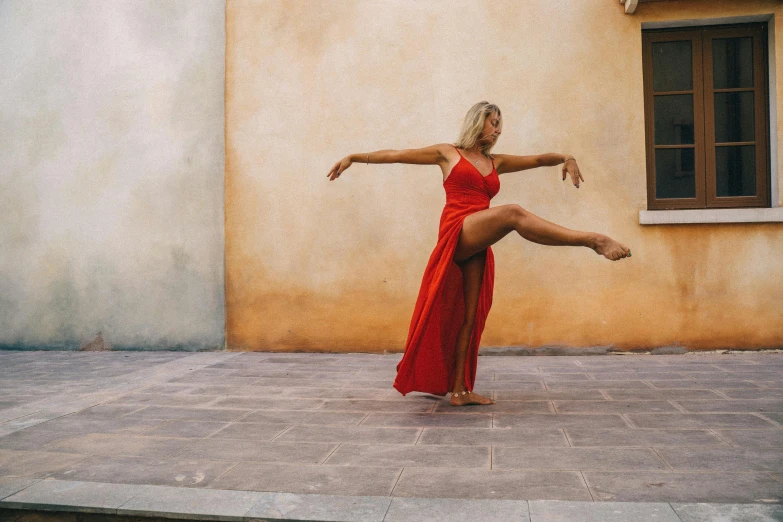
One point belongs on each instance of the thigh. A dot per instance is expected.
(472, 274)
(483, 229)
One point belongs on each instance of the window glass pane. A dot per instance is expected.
(675, 175)
(673, 119)
(735, 171)
(732, 62)
(734, 118)
(672, 66)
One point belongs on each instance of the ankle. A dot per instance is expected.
(591, 240)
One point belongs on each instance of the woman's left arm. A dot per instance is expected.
(510, 163)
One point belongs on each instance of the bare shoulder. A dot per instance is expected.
(439, 153)
(497, 159)
(448, 152)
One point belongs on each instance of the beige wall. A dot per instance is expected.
(313, 265)
(111, 173)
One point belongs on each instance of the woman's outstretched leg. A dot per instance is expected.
(472, 274)
(485, 228)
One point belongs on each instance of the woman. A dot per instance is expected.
(456, 291)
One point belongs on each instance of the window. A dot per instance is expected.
(705, 108)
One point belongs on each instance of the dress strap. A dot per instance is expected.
(466, 159)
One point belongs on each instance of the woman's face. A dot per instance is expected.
(493, 126)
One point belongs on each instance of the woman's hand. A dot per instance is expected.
(572, 169)
(339, 168)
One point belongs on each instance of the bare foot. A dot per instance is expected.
(460, 399)
(609, 248)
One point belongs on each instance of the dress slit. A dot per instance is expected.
(430, 350)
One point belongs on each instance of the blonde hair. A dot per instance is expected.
(473, 125)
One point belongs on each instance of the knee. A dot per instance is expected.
(515, 213)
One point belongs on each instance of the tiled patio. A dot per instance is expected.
(659, 432)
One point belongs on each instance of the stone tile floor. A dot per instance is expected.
(642, 429)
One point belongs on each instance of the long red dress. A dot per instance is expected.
(430, 351)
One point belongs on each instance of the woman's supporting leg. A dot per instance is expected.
(472, 274)
(485, 228)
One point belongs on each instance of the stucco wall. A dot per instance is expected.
(314, 265)
(111, 173)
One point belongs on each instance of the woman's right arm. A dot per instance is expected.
(432, 155)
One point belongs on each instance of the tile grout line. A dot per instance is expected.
(143, 490)
(718, 392)
(680, 408)
(712, 430)
(37, 480)
(568, 440)
(675, 512)
(627, 421)
(774, 476)
(166, 422)
(584, 481)
(224, 473)
(391, 499)
(282, 433)
(391, 494)
(330, 453)
(167, 457)
(663, 459)
(762, 416)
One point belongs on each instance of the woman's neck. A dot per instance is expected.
(475, 149)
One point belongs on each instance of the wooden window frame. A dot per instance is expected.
(704, 126)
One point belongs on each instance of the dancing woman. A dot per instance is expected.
(456, 291)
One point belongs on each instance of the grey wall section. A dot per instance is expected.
(111, 173)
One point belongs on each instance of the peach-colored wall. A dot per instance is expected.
(314, 265)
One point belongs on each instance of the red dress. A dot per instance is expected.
(430, 351)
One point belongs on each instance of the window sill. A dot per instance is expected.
(712, 215)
